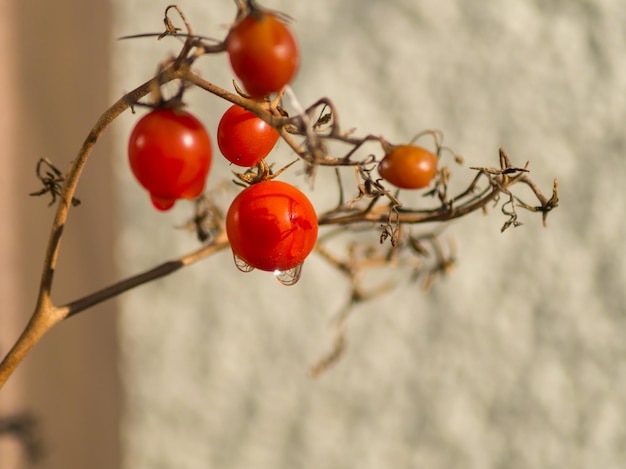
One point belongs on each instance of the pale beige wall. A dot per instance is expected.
(516, 360)
(53, 84)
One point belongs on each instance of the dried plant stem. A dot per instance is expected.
(217, 244)
(46, 314)
(307, 134)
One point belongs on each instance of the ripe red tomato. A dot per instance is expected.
(271, 226)
(243, 138)
(408, 167)
(170, 155)
(263, 53)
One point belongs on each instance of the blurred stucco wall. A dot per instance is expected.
(516, 360)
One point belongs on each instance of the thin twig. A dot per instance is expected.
(162, 270)
(46, 314)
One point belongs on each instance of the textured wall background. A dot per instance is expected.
(517, 360)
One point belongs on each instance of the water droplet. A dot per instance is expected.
(289, 277)
(242, 265)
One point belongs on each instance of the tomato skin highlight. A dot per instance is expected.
(170, 154)
(272, 226)
(243, 138)
(408, 167)
(263, 53)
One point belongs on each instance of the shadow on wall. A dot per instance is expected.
(57, 71)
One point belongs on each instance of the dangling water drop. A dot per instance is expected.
(242, 265)
(289, 277)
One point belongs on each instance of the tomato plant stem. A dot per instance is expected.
(162, 270)
(307, 133)
(46, 314)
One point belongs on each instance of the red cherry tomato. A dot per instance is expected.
(271, 226)
(263, 53)
(243, 138)
(408, 167)
(170, 155)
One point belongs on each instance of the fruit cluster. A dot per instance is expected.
(271, 225)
